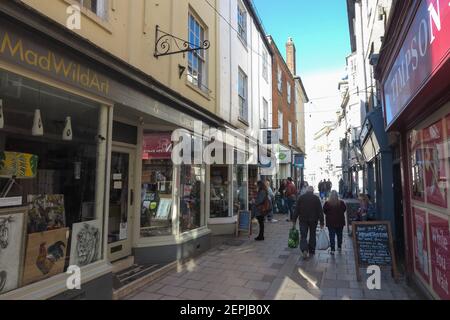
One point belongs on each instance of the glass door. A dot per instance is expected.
(121, 201)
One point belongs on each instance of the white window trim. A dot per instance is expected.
(280, 79)
(241, 11)
(245, 97)
(265, 67)
(203, 84)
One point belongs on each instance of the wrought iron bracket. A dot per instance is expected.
(168, 44)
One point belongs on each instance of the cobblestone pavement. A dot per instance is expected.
(269, 270)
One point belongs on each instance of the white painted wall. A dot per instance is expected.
(233, 54)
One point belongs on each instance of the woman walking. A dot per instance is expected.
(334, 210)
(262, 207)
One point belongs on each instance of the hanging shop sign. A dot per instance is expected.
(299, 161)
(425, 48)
(284, 155)
(157, 146)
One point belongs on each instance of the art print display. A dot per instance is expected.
(45, 255)
(164, 209)
(421, 252)
(46, 212)
(440, 254)
(18, 165)
(435, 162)
(85, 245)
(12, 229)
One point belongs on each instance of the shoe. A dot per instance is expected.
(273, 221)
(332, 252)
(340, 250)
(259, 239)
(305, 254)
(312, 253)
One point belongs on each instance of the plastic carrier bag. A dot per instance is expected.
(322, 240)
(294, 237)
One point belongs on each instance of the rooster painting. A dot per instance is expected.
(48, 257)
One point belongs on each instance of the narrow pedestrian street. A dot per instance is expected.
(243, 269)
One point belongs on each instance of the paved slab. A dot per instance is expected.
(269, 270)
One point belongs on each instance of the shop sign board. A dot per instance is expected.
(425, 48)
(373, 245)
(284, 155)
(440, 254)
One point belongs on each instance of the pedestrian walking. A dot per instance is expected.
(272, 201)
(363, 210)
(329, 186)
(291, 197)
(334, 210)
(309, 212)
(282, 192)
(320, 189)
(261, 207)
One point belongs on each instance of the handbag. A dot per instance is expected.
(265, 207)
(294, 238)
(322, 240)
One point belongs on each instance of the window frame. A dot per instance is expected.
(265, 113)
(280, 79)
(280, 123)
(289, 92)
(104, 16)
(265, 65)
(199, 81)
(242, 23)
(243, 96)
(290, 133)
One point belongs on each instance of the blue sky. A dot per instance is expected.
(319, 29)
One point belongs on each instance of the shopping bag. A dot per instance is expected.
(294, 238)
(322, 240)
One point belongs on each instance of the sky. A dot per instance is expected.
(320, 32)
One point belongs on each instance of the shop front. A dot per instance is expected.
(416, 89)
(86, 174)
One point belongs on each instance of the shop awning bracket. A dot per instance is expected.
(168, 44)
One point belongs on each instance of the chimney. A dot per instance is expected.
(290, 56)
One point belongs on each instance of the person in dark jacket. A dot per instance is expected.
(334, 210)
(309, 212)
(261, 196)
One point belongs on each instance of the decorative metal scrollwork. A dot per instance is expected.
(167, 44)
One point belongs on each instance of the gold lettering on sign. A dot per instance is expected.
(52, 63)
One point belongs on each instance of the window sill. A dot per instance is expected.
(243, 121)
(244, 43)
(104, 24)
(198, 90)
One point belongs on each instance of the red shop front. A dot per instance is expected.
(414, 74)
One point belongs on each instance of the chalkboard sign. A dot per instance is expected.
(244, 222)
(373, 245)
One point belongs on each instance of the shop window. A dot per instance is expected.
(191, 197)
(51, 206)
(242, 23)
(240, 188)
(157, 185)
(219, 188)
(417, 165)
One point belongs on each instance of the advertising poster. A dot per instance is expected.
(417, 165)
(435, 162)
(157, 146)
(440, 255)
(421, 253)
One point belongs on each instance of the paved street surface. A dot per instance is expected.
(244, 269)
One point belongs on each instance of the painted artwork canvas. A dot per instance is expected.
(85, 245)
(12, 229)
(46, 212)
(45, 255)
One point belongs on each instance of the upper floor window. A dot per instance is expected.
(242, 23)
(196, 59)
(290, 132)
(265, 65)
(99, 7)
(265, 114)
(243, 96)
(280, 123)
(280, 79)
(288, 93)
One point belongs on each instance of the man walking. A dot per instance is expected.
(329, 187)
(291, 195)
(309, 212)
(272, 200)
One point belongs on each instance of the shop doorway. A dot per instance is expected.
(121, 203)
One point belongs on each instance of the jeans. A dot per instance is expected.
(261, 226)
(306, 227)
(290, 203)
(333, 232)
(270, 215)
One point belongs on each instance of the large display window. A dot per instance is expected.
(157, 185)
(51, 213)
(219, 189)
(240, 188)
(191, 197)
(429, 153)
